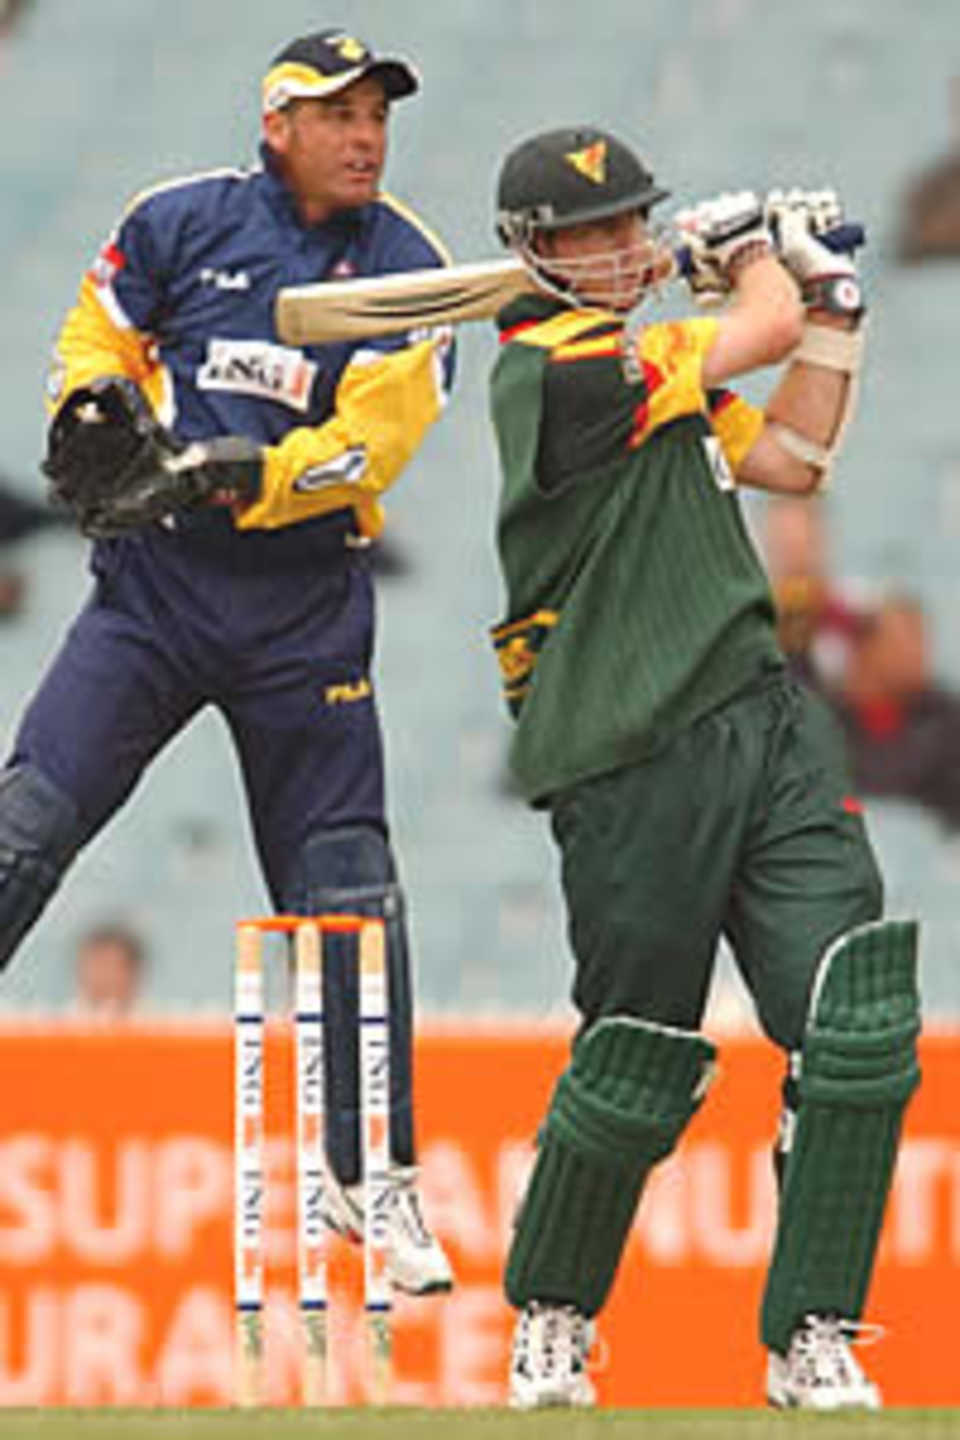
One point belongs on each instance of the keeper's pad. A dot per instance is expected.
(621, 1106)
(858, 1067)
(39, 835)
(350, 871)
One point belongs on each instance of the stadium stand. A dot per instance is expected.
(716, 93)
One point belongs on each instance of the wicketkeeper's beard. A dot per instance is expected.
(617, 280)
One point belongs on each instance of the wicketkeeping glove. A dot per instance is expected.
(716, 235)
(117, 468)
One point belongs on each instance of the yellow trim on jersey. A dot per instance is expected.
(518, 644)
(517, 627)
(602, 345)
(406, 213)
(159, 390)
(181, 181)
(560, 328)
(90, 345)
(737, 425)
(383, 408)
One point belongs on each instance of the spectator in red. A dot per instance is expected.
(902, 726)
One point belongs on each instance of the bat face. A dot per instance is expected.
(391, 304)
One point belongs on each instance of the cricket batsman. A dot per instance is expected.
(694, 790)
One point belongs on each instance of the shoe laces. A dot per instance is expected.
(564, 1339)
(407, 1203)
(822, 1351)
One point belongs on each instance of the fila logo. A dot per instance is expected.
(255, 367)
(347, 692)
(225, 279)
(590, 162)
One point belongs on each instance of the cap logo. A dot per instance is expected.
(350, 49)
(591, 161)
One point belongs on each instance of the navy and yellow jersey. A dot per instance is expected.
(181, 299)
(635, 600)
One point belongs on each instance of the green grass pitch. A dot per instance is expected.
(408, 1424)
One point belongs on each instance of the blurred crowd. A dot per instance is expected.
(20, 517)
(870, 657)
(9, 10)
(109, 972)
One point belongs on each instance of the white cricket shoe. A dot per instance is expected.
(548, 1362)
(416, 1262)
(342, 1207)
(819, 1371)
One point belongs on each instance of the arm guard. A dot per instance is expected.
(835, 350)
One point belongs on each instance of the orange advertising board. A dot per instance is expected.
(116, 1205)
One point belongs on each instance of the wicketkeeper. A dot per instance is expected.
(231, 486)
(694, 790)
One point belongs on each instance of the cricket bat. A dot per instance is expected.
(390, 304)
(408, 300)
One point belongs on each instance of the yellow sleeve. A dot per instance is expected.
(736, 424)
(669, 357)
(91, 344)
(384, 405)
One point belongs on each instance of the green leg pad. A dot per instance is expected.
(858, 1068)
(621, 1106)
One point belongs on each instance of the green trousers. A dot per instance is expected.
(742, 827)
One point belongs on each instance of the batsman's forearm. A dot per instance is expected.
(812, 399)
(764, 286)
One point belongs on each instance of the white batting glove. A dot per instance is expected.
(719, 233)
(698, 265)
(796, 219)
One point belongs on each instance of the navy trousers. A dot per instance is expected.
(274, 629)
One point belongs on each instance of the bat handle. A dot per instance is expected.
(841, 240)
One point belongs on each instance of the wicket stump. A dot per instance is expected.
(309, 934)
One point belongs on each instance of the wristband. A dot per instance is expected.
(836, 295)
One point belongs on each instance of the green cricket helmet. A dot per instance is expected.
(570, 177)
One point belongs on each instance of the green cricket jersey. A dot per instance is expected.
(635, 599)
